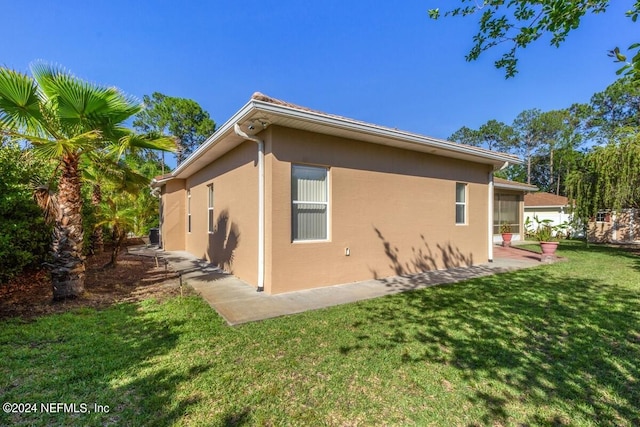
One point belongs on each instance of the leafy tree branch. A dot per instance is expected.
(518, 23)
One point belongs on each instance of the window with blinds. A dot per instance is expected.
(461, 203)
(210, 208)
(309, 203)
(188, 211)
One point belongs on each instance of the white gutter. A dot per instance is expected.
(546, 207)
(382, 131)
(260, 143)
(345, 124)
(525, 187)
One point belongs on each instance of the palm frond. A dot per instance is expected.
(113, 215)
(154, 142)
(47, 201)
(133, 181)
(99, 167)
(82, 143)
(81, 104)
(20, 104)
(33, 139)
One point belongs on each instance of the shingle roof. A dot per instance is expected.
(545, 199)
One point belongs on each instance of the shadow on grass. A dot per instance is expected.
(533, 336)
(87, 356)
(240, 418)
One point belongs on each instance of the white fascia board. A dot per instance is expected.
(516, 187)
(341, 123)
(362, 127)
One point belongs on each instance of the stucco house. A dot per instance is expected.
(611, 226)
(547, 206)
(287, 198)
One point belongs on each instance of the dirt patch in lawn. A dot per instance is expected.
(134, 278)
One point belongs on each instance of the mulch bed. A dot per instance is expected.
(134, 278)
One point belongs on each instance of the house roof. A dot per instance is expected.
(263, 111)
(544, 200)
(505, 184)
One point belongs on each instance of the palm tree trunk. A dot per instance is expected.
(68, 271)
(97, 238)
(118, 239)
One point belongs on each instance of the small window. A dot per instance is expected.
(210, 208)
(189, 211)
(603, 216)
(461, 203)
(310, 203)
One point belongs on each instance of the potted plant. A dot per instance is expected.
(545, 234)
(505, 230)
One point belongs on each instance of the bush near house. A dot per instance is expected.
(24, 237)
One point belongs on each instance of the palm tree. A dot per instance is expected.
(119, 219)
(99, 169)
(65, 118)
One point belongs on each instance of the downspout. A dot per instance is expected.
(260, 143)
(490, 216)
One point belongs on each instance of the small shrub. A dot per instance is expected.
(24, 237)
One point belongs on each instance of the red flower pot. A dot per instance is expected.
(548, 248)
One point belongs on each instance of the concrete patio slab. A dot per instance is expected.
(238, 302)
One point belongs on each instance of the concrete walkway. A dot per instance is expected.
(238, 302)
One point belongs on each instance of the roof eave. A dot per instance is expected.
(496, 159)
(516, 187)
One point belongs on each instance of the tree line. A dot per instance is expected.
(65, 151)
(588, 152)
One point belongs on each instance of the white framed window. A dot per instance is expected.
(461, 203)
(188, 211)
(309, 203)
(603, 216)
(210, 207)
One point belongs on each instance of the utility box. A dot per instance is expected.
(154, 236)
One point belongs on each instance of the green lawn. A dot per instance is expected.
(554, 345)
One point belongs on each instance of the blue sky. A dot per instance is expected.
(380, 62)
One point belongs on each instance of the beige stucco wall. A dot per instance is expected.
(394, 209)
(623, 226)
(233, 244)
(172, 215)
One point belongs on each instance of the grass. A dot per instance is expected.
(554, 345)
